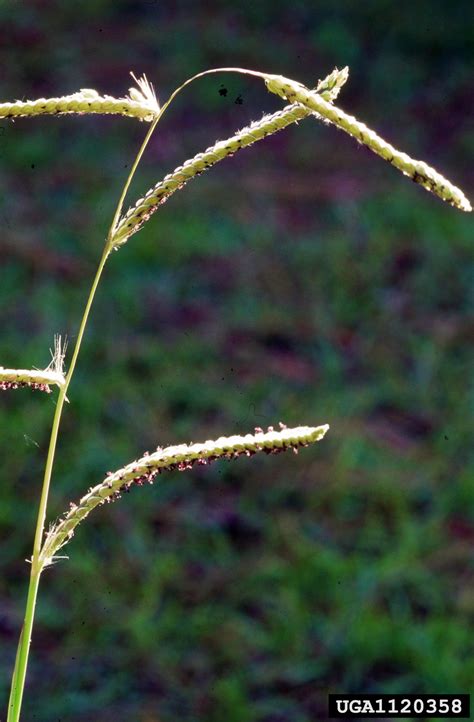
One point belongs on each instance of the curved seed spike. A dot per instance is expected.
(138, 214)
(417, 170)
(179, 457)
(141, 104)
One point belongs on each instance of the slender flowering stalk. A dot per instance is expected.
(179, 457)
(141, 104)
(136, 216)
(417, 170)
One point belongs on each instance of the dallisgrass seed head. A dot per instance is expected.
(136, 216)
(141, 103)
(417, 170)
(180, 457)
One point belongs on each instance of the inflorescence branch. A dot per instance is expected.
(141, 103)
(417, 170)
(180, 457)
(136, 216)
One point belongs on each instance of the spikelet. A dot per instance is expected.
(144, 94)
(136, 216)
(141, 103)
(330, 87)
(179, 457)
(418, 171)
(34, 378)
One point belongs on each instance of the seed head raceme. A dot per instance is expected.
(141, 103)
(417, 170)
(180, 457)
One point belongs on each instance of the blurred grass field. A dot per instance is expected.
(303, 280)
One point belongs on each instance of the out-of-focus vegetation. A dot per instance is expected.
(303, 280)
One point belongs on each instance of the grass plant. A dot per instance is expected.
(142, 104)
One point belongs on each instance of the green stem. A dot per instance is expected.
(19, 672)
(129, 179)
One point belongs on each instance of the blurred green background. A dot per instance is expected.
(304, 280)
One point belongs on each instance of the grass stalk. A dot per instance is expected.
(142, 104)
(19, 672)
